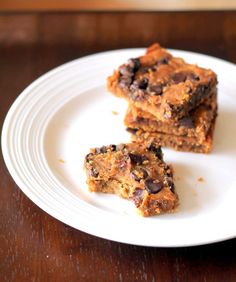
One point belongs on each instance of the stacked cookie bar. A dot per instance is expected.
(171, 103)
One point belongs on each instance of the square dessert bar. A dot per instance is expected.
(133, 171)
(165, 86)
(196, 125)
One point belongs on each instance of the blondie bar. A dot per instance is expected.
(133, 171)
(163, 85)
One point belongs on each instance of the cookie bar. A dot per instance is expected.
(179, 143)
(163, 85)
(195, 125)
(133, 171)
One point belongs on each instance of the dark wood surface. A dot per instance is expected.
(33, 245)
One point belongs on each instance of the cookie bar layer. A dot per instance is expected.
(179, 143)
(196, 124)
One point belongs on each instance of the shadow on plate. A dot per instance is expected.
(225, 133)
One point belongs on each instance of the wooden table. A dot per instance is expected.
(33, 245)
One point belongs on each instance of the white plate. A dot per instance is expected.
(53, 123)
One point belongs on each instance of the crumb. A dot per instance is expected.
(66, 125)
(200, 179)
(115, 113)
(177, 178)
(47, 256)
(61, 161)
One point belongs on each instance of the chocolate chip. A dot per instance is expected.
(87, 158)
(156, 150)
(131, 130)
(143, 83)
(178, 77)
(140, 84)
(138, 196)
(125, 81)
(202, 88)
(126, 70)
(94, 172)
(139, 173)
(101, 150)
(134, 64)
(186, 122)
(156, 89)
(120, 147)
(140, 119)
(137, 159)
(170, 183)
(192, 76)
(163, 61)
(113, 147)
(153, 187)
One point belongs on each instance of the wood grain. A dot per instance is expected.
(33, 245)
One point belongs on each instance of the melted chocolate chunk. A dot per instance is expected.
(140, 119)
(134, 64)
(87, 158)
(187, 122)
(125, 81)
(138, 196)
(143, 84)
(170, 183)
(113, 147)
(193, 77)
(132, 130)
(156, 150)
(101, 150)
(153, 187)
(137, 159)
(202, 88)
(126, 70)
(120, 147)
(163, 61)
(140, 84)
(93, 172)
(178, 77)
(156, 89)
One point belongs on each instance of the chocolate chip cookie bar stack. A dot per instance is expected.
(171, 103)
(133, 171)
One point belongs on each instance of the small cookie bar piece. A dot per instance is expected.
(179, 143)
(165, 86)
(196, 124)
(133, 171)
